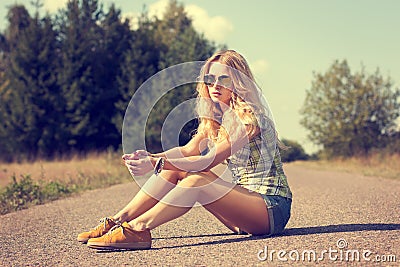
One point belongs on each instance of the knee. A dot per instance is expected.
(194, 180)
(172, 176)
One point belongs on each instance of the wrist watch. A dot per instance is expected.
(159, 166)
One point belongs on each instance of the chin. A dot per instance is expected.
(215, 100)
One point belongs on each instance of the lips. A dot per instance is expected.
(216, 93)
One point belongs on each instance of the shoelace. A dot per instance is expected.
(115, 227)
(104, 222)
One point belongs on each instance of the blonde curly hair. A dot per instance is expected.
(246, 102)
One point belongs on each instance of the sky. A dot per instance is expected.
(285, 42)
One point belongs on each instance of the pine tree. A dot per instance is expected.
(26, 82)
(158, 44)
(181, 43)
(80, 36)
(65, 83)
(32, 99)
(115, 42)
(139, 64)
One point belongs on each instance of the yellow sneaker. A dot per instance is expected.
(105, 225)
(122, 237)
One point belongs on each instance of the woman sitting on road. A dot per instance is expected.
(234, 129)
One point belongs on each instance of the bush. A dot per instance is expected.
(19, 194)
(24, 193)
(55, 190)
(294, 152)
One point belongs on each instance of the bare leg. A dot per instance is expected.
(237, 207)
(227, 223)
(151, 192)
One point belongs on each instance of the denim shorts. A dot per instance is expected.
(278, 211)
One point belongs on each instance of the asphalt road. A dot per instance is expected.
(345, 219)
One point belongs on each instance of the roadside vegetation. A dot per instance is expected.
(376, 165)
(25, 184)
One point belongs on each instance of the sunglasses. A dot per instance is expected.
(223, 80)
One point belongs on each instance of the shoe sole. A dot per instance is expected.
(132, 246)
(83, 240)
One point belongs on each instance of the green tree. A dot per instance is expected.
(116, 38)
(162, 43)
(349, 114)
(18, 19)
(138, 64)
(294, 151)
(93, 48)
(176, 34)
(80, 36)
(65, 82)
(4, 146)
(29, 93)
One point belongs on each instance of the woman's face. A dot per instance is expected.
(219, 83)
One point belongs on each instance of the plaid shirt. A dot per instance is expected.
(258, 167)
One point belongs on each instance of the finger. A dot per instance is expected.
(132, 169)
(132, 156)
(132, 162)
(127, 156)
(136, 172)
(142, 153)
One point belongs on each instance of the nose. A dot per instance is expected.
(216, 85)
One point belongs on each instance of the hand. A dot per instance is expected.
(142, 153)
(139, 167)
(136, 155)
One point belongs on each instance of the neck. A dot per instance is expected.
(223, 107)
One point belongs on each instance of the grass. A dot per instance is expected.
(377, 165)
(26, 184)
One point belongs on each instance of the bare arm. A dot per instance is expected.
(201, 163)
(191, 163)
(140, 162)
(196, 163)
(192, 148)
(215, 156)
